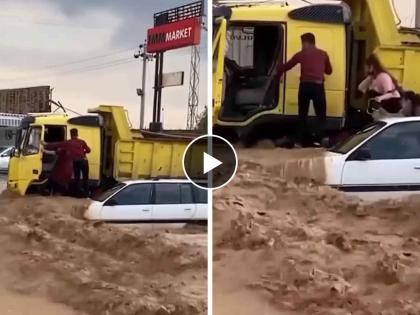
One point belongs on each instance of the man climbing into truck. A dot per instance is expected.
(79, 149)
(314, 64)
(75, 150)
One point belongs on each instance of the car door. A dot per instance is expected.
(201, 204)
(167, 203)
(133, 203)
(187, 201)
(387, 165)
(4, 159)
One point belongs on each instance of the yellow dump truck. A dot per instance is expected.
(116, 154)
(250, 40)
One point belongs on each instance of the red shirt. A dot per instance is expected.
(76, 148)
(314, 63)
(63, 169)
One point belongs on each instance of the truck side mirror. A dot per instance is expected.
(362, 154)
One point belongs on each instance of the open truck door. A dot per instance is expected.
(219, 45)
(26, 161)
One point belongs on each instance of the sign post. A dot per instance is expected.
(173, 29)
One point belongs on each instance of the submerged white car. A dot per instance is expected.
(153, 201)
(382, 161)
(4, 158)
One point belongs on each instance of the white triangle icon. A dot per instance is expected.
(210, 163)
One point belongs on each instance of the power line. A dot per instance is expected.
(89, 58)
(79, 61)
(96, 67)
(82, 70)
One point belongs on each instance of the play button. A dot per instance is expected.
(210, 162)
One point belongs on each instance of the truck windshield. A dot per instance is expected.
(108, 193)
(350, 143)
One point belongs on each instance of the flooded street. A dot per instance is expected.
(289, 247)
(54, 259)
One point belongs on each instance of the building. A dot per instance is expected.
(9, 123)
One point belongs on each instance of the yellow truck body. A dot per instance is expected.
(348, 31)
(116, 153)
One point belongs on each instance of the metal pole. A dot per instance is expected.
(143, 88)
(156, 92)
(159, 102)
(417, 25)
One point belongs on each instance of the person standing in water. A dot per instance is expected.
(314, 64)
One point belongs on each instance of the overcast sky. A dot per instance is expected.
(41, 42)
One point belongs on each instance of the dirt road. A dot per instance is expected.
(50, 256)
(282, 247)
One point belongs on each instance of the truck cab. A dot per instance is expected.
(250, 41)
(117, 152)
(30, 165)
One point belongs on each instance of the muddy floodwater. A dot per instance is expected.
(54, 262)
(293, 247)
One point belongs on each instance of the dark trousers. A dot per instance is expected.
(56, 188)
(81, 167)
(315, 92)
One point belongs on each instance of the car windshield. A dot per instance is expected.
(5, 150)
(350, 143)
(108, 193)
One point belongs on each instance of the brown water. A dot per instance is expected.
(50, 257)
(291, 247)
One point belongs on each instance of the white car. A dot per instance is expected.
(380, 162)
(154, 201)
(4, 158)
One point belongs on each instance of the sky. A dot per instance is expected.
(42, 42)
(84, 51)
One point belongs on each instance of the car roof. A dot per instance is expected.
(3, 149)
(394, 120)
(143, 181)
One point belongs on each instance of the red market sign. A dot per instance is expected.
(174, 35)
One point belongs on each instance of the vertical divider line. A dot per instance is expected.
(210, 132)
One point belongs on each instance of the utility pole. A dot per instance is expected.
(417, 25)
(142, 52)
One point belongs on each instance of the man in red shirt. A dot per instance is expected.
(76, 150)
(314, 64)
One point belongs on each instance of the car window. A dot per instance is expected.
(136, 194)
(399, 141)
(200, 195)
(6, 152)
(352, 142)
(186, 193)
(167, 193)
(33, 142)
(108, 193)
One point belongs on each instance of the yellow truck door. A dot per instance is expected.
(26, 165)
(219, 44)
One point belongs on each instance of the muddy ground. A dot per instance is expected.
(292, 247)
(53, 262)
